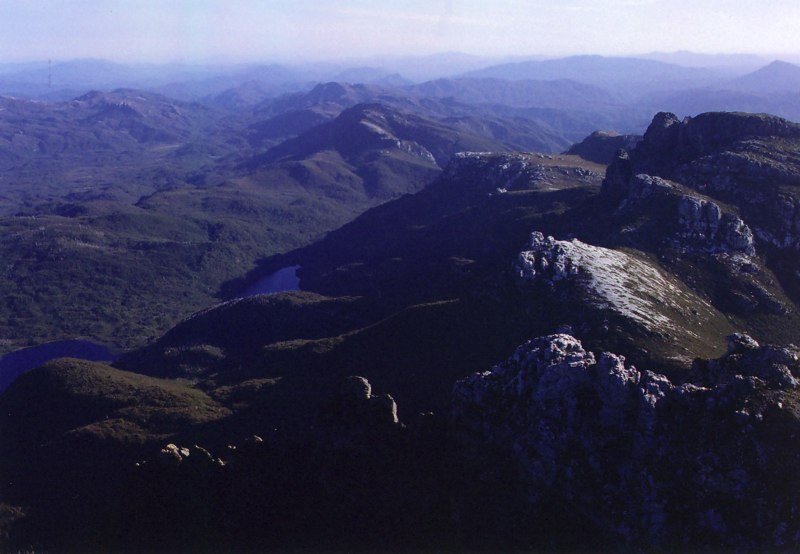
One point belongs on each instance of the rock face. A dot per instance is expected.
(703, 221)
(748, 165)
(196, 456)
(776, 366)
(642, 458)
(692, 229)
(643, 186)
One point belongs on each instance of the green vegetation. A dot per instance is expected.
(132, 273)
(74, 430)
(95, 400)
(126, 211)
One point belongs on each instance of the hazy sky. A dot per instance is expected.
(249, 30)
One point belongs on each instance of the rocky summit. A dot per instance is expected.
(602, 146)
(671, 463)
(745, 159)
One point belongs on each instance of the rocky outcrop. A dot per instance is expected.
(645, 459)
(748, 160)
(498, 173)
(602, 146)
(764, 189)
(644, 186)
(627, 286)
(618, 174)
(787, 233)
(672, 141)
(776, 366)
(355, 415)
(172, 454)
(636, 188)
(703, 221)
(625, 187)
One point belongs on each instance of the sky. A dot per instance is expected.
(309, 30)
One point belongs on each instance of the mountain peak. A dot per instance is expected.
(782, 66)
(778, 76)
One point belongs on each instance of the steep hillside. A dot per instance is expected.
(119, 274)
(374, 127)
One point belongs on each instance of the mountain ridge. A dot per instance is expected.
(545, 333)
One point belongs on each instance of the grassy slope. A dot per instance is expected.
(73, 430)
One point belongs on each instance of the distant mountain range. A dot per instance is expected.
(187, 81)
(613, 73)
(571, 96)
(725, 62)
(563, 94)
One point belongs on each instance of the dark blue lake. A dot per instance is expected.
(282, 280)
(14, 364)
